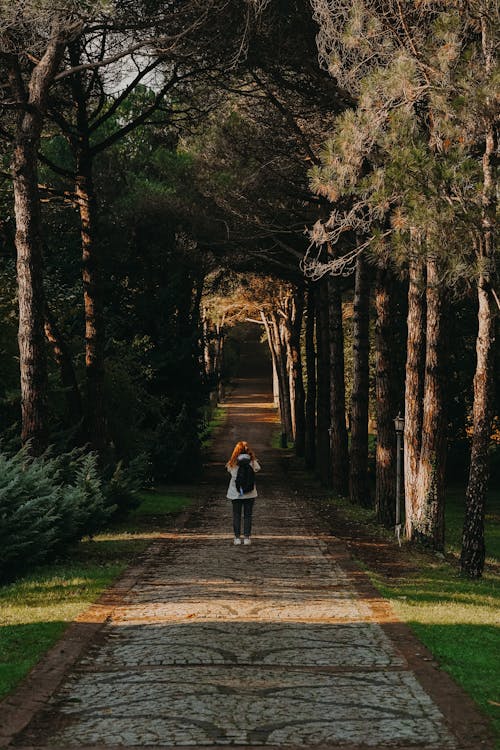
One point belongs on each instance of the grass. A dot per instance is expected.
(158, 502)
(36, 609)
(458, 622)
(456, 618)
(217, 418)
(276, 441)
(455, 516)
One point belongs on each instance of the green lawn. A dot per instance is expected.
(455, 516)
(35, 610)
(276, 441)
(456, 618)
(458, 621)
(216, 417)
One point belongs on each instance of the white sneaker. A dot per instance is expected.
(237, 540)
(247, 540)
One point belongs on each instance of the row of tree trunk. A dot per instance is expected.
(315, 417)
(317, 421)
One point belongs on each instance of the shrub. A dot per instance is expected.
(28, 513)
(122, 489)
(46, 503)
(176, 451)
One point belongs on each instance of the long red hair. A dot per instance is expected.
(239, 448)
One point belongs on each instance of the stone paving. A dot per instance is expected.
(231, 645)
(268, 644)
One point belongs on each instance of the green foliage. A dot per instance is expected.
(29, 517)
(158, 502)
(176, 448)
(123, 489)
(46, 504)
(212, 419)
(35, 610)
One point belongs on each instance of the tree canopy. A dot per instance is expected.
(325, 169)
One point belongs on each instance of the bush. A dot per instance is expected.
(46, 503)
(176, 452)
(122, 489)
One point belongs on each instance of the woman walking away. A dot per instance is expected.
(242, 491)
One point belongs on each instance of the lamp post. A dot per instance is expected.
(399, 424)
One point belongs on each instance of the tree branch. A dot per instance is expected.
(124, 94)
(100, 63)
(55, 168)
(133, 124)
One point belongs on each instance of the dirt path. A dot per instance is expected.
(282, 643)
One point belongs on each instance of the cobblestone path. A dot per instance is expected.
(265, 645)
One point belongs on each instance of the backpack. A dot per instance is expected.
(245, 477)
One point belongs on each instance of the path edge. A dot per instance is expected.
(463, 717)
(21, 705)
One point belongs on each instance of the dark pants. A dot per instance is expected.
(247, 506)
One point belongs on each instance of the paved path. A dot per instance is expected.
(270, 644)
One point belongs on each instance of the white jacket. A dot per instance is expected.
(232, 492)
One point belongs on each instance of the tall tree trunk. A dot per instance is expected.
(62, 356)
(297, 380)
(94, 410)
(32, 355)
(24, 167)
(277, 391)
(207, 346)
(428, 522)
(338, 430)
(358, 469)
(221, 338)
(310, 416)
(291, 385)
(217, 351)
(425, 518)
(282, 362)
(278, 356)
(276, 387)
(414, 385)
(385, 494)
(473, 547)
(323, 453)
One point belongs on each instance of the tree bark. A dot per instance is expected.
(323, 453)
(62, 356)
(24, 167)
(95, 412)
(278, 356)
(276, 388)
(207, 347)
(414, 385)
(32, 355)
(94, 408)
(428, 522)
(219, 359)
(339, 447)
(310, 415)
(282, 361)
(385, 493)
(296, 375)
(473, 547)
(277, 391)
(358, 474)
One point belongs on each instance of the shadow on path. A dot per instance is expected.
(281, 644)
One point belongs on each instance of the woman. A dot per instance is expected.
(242, 500)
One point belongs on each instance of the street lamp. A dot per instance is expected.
(399, 424)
